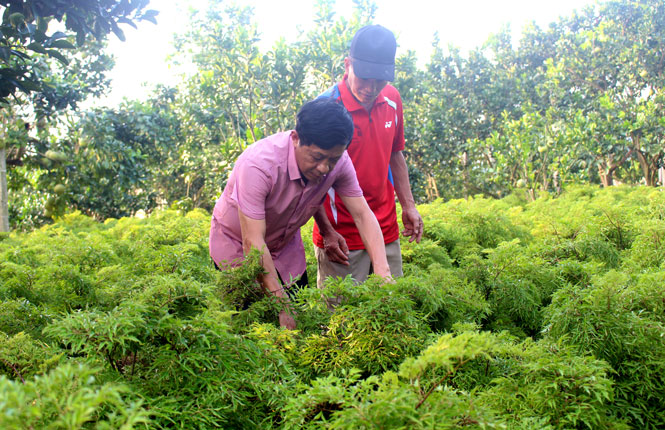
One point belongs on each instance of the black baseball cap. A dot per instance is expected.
(373, 52)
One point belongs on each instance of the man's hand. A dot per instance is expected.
(336, 249)
(286, 320)
(333, 243)
(413, 224)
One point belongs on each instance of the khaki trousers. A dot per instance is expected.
(360, 266)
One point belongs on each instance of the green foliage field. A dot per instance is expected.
(511, 315)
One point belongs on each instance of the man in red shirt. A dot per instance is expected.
(376, 153)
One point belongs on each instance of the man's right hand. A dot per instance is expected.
(286, 320)
(335, 247)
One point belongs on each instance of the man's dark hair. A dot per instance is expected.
(325, 123)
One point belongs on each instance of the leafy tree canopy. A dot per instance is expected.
(26, 34)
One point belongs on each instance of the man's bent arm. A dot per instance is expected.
(413, 222)
(253, 236)
(370, 233)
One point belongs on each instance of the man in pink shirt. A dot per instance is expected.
(277, 184)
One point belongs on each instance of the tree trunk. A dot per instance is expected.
(606, 177)
(432, 190)
(654, 168)
(4, 196)
(608, 167)
(556, 182)
(647, 171)
(465, 174)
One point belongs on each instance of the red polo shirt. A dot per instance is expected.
(377, 135)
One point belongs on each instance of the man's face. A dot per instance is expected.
(314, 162)
(364, 90)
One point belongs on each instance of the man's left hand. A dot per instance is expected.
(413, 224)
(335, 247)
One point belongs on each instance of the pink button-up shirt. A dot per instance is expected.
(266, 184)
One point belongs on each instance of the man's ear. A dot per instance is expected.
(347, 64)
(295, 138)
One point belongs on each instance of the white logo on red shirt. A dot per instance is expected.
(388, 124)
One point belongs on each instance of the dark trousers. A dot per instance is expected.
(293, 290)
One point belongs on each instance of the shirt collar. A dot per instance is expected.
(350, 102)
(292, 164)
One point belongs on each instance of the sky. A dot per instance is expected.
(141, 61)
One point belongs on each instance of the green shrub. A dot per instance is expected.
(349, 402)
(619, 319)
(422, 255)
(444, 297)
(648, 248)
(523, 381)
(548, 380)
(584, 249)
(466, 227)
(532, 387)
(19, 315)
(21, 357)
(174, 345)
(373, 329)
(517, 285)
(68, 397)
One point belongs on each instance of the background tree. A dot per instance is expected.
(580, 100)
(28, 47)
(25, 36)
(591, 89)
(610, 65)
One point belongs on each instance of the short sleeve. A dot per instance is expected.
(346, 182)
(252, 187)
